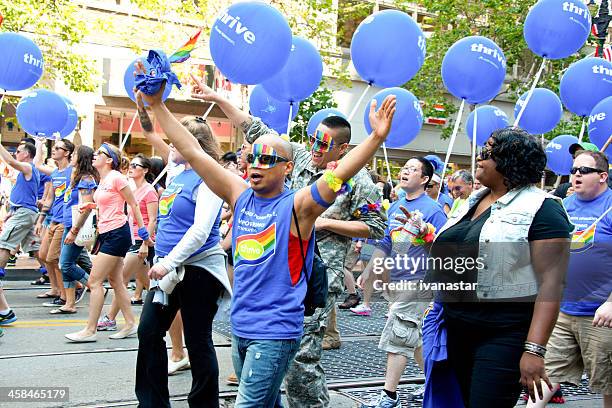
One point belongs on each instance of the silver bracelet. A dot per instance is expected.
(534, 353)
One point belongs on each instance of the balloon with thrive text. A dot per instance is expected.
(556, 29)
(71, 121)
(489, 119)
(558, 157)
(42, 113)
(21, 63)
(600, 123)
(250, 42)
(586, 83)
(543, 112)
(388, 48)
(474, 69)
(408, 119)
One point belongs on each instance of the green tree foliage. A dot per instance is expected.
(322, 98)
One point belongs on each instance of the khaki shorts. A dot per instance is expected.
(52, 243)
(403, 331)
(19, 231)
(575, 346)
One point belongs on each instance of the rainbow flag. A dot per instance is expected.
(60, 190)
(253, 249)
(183, 53)
(582, 240)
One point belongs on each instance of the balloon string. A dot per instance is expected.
(533, 86)
(210, 108)
(363, 94)
(473, 145)
(290, 117)
(582, 130)
(127, 134)
(543, 171)
(161, 174)
(450, 145)
(605, 146)
(389, 179)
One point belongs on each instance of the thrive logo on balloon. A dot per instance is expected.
(602, 70)
(553, 145)
(479, 47)
(570, 7)
(32, 60)
(234, 23)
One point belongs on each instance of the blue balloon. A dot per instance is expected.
(556, 29)
(600, 122)
(408, 118)
(558, 157)
(436, 162)
(585, 84)
(42, 113)
(318, 117)
(72, 120)
(128, 80)
(300, 76)
(250, 42)
(272, 112)
(388, 48)
(474, 69)
(543, 112)
(21, 65)
(488, 120)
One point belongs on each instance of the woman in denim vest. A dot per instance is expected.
(510, 243)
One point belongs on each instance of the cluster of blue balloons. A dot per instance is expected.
(46, 113)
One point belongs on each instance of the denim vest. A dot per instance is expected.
(503, 245)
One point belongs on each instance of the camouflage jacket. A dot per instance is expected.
(333, 247)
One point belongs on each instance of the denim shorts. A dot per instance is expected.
(136, 247)
(115, 242)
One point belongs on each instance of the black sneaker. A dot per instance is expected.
(43, 280)
(12, 261)
(351, 300)
(57, 302)
(7, 318)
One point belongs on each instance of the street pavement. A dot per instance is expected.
(34, 353)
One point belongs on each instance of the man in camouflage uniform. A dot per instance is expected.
(348, 217)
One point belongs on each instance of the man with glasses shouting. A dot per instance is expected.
(582, 337)
(355, 214)
(18, 230)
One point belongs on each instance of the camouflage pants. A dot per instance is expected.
(305, 381)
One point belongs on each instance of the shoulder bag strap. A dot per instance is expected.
(297, 226)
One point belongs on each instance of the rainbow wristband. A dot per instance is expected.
(336, 184)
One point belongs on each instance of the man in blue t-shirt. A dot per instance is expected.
(582, 339)
(18, 229)
(401, 337)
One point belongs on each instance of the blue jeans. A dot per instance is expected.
(71, 272)
(260, 367)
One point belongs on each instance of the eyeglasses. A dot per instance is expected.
(265, 161)
(585, 170)
(410, 169)
(485, 154)
(60, 147)
(134, 165)
(99, 152)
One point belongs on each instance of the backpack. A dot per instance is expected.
(316, 292)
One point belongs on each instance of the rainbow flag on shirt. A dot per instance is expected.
(183, 53)
(583, 240)
(253, 249)
(60, 190)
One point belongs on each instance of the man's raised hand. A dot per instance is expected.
(381, 119)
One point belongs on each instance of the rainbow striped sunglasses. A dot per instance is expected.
(264, 157)
(321, 142)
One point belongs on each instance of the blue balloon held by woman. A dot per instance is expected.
(474, 69)
(21, 64)
(300, 76)
(250, 42)
(556, 29)
(388, 48)
(408, 118)
(558, 157)
(600, 122)
(272, 112)
(71, 121)
(488, 120)
(42, 113)
(318, 117)
(585, 84)
(543, 112)
(128, 80)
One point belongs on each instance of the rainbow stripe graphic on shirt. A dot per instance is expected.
(60, 190)
(582, 242)
(253, 249)
(67, 195)
(165, 203)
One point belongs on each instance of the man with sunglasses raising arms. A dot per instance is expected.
(269, 286)
(19, 228)
(582, 337)
(356, 214)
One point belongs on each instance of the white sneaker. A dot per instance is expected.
(175, 366)
(362, 310)
(384, 402)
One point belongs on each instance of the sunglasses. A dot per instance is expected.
(60, 148)
(99, 152)
(485, 154)
(134, 165)
(264, 161)
(321, 142)
(585, 170)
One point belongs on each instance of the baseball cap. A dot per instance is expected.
(582, 146)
